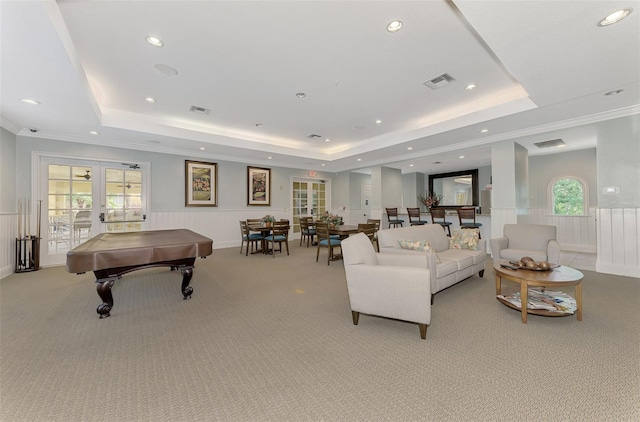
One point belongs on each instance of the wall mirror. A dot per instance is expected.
(458, 188)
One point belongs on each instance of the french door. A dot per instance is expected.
(309, 198)
(81, 198)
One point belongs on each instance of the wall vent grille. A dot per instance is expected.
(313, 136)
(550, 144)
(199, 110)
(440, 81)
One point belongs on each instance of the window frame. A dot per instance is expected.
(585, 196)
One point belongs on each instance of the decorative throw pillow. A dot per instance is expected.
(465, 239)
(416, 245)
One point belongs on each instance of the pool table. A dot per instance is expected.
(111, 255)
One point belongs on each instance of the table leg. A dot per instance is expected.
(498, 285)
(187, 273)
(579, 301)
(104, 291)
(524, 297)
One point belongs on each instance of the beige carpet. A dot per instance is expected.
(271, 339)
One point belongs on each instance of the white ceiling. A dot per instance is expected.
(541, 69)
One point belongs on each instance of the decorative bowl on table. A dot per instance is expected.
(527, 263)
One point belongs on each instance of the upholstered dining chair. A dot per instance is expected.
(252, 239)
(392, 216)
(307, 230)
(439, 216)
(279, 234)
(393, 286)
(414, 217)
(467, 218)
(325, 240)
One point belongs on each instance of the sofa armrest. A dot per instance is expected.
(498, 244)
(409, 258)
(394, 292)
(553, 252)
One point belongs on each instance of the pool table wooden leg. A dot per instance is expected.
(187, 273)
(104, 291)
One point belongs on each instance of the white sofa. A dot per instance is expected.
(385, 285)
(537, 241)
(447, 265)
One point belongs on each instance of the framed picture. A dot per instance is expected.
(201, 184)
(259, 186)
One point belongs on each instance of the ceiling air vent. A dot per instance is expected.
(199, 110)
(550, 144)
(439, 82)
(313, 136)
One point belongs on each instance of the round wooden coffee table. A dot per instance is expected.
(557, 277)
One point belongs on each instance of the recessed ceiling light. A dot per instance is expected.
(323, 164)
(269, 158)
(409, 148)
(410, 165)
(156, 42)
(484, 130)
(394, 26)
(470, 87)
(378, 121)
(30, 101)
(301, 95)
(359, 159)
(462, 156)
(93, 132)
(327, 140)
(614, 17)
(150, 99)
(616, 92)
(202, 148)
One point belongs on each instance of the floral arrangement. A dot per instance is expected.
(430, 200)
(332, 219)
(268, 219)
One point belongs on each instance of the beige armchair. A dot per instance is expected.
(537, 241)
(387, 285)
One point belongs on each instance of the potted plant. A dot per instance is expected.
(332, 219)
(430, 200)
(268, 220)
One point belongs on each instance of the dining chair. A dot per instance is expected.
(307, 230)
(414, 217)
(392, 216)
(377, 224)
(252, 239)
(325, 240)
(369, 229)
(466, 214)
(440, 213)
(279, 234)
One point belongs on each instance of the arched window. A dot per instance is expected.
(568, 196)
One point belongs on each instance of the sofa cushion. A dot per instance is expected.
(462, 258)
(464, 239)
(446, 267)
(432, 233)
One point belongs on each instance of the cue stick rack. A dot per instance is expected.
(27, 244)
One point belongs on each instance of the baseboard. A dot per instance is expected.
(5, 271)
(624, 270)
(568, 247)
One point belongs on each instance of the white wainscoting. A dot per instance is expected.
(619, 241)
(8, 234)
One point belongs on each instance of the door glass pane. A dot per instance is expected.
(69, 206)
(123, 200)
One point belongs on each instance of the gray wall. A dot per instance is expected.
(356, 181)
(618, 162)
(544, 168)
(8, 197)
(167, 173)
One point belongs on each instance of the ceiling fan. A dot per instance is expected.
(86, 176)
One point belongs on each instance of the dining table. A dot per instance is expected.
(343, 230)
